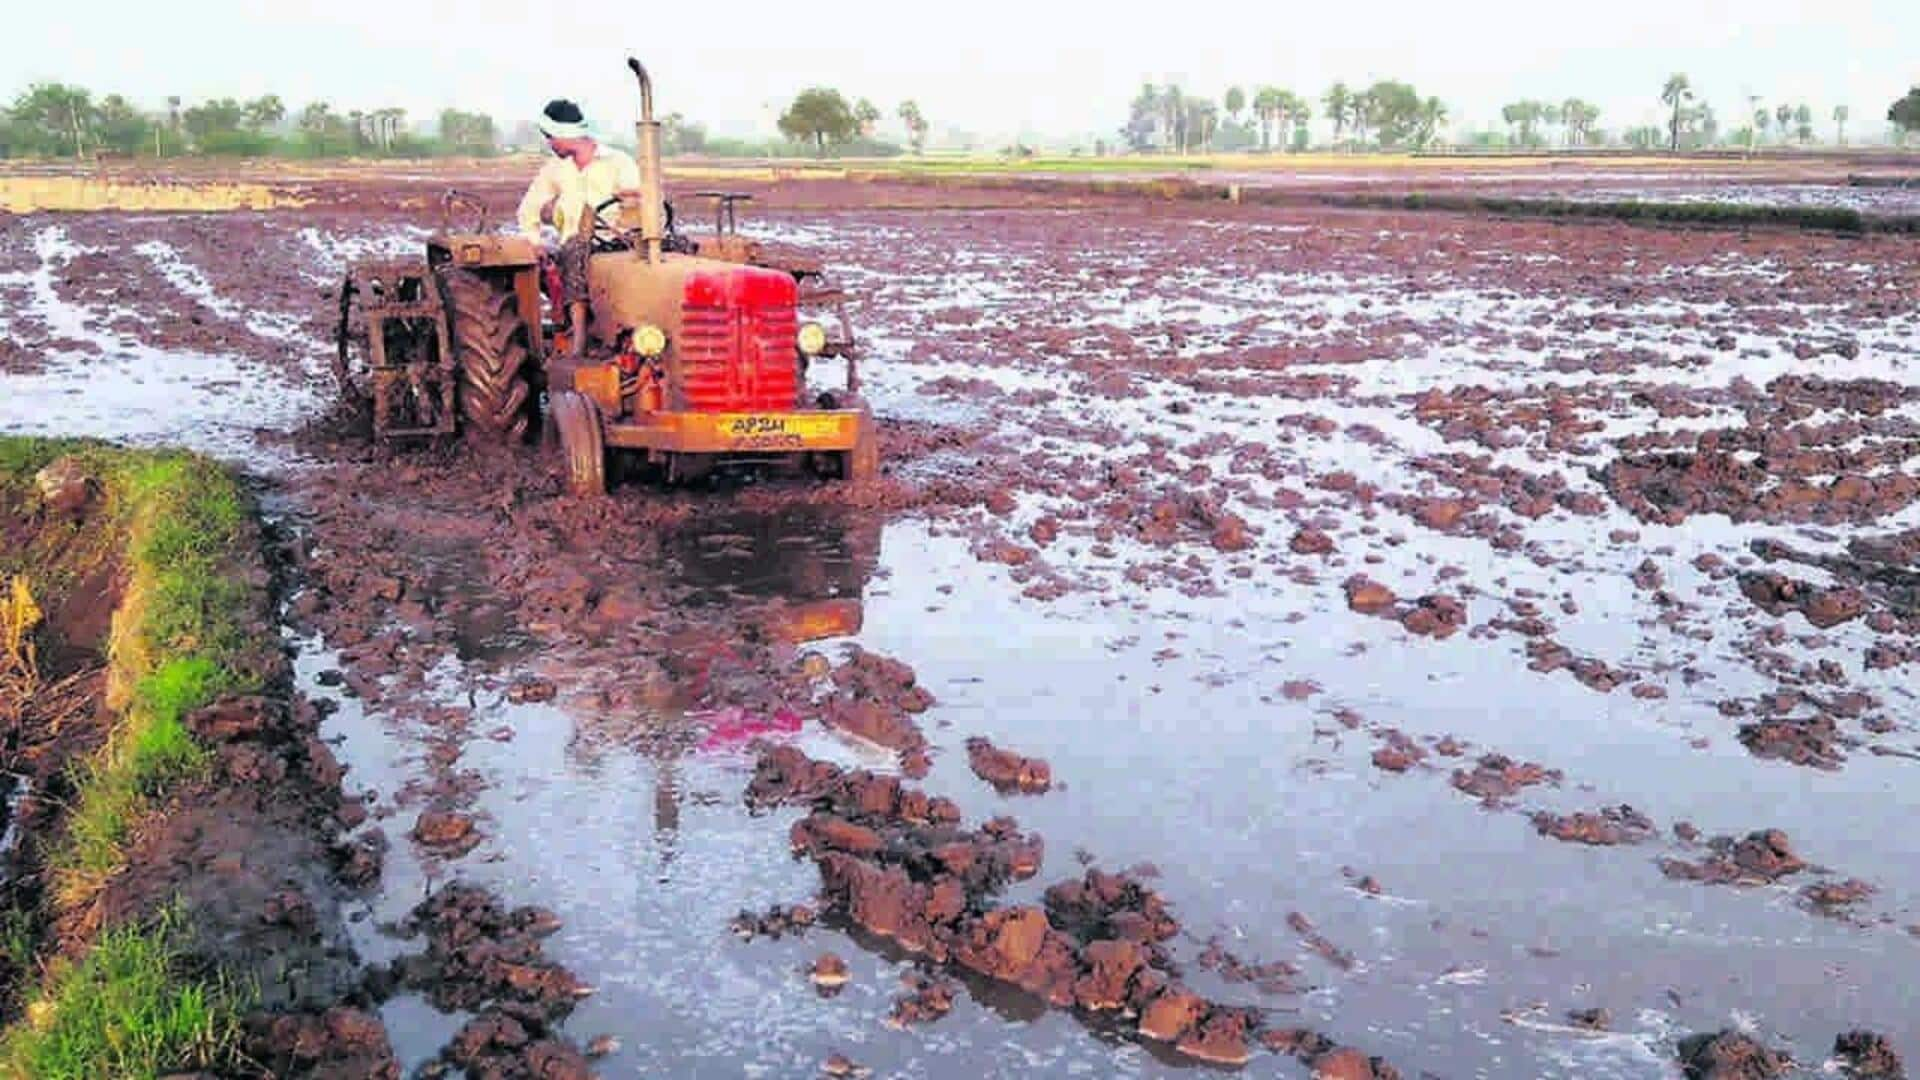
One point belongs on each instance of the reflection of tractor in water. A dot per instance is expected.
(685, 354)
(808, 566)
(800, 576)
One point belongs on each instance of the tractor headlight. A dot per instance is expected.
(813, 339)
(649, 341)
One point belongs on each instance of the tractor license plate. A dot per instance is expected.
(750, 432)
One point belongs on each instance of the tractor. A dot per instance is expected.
(686, 353)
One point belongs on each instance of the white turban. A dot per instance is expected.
(556, 129)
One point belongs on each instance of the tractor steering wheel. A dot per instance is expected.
(608, 237)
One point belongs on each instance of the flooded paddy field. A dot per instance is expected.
(1464, 647)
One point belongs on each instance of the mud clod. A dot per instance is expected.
(1611, 825)
(66, 486)
(479, 953)
(1368, 597)
(776, 922)
(1867, 1056)
(1593, 1019)
(1346, 1063)
(829, 972)
(531, 691)
(896, 863)
(340, 1042)
(1007, 771)
(515, 1043)
(1833, 896)
(1759, 858)
(1777, 594)
(449, 832)
(1730, 1055)
(1496, 777)
(1311, 542)
(925, 998)
(842, 1067)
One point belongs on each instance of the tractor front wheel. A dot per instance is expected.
(490, 346)
(581, 444)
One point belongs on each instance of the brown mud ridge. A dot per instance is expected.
(897, 863)
(258, 853)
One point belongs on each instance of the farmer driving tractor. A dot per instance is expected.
(585, 187)
(582, 177)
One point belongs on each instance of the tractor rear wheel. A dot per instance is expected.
(582, 448)
(490, 346)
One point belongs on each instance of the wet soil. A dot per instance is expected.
(1275, 530)
(53, 714)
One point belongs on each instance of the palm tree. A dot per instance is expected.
(1266, 105)
(1783, 114)
(1840, 124)
(1360, 109)
(173, 122)
(1676, 93)
(1236, 100)
(916, 124)
(1175, 107)
(1579, 117)
(1300, 111)
(1338, 99)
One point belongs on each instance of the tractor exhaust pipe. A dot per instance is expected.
(646, 133)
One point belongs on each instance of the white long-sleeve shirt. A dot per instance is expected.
(574, 192)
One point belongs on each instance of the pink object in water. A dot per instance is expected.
(734, 726)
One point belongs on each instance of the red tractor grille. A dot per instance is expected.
(738, 357)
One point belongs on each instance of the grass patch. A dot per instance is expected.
(181, 639)
(177, 640)
(129, 1009)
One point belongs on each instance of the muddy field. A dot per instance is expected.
(1425, 642)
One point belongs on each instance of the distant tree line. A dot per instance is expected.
(1387, 114)
(1531, 122)
(59, 120)
(1391, 115)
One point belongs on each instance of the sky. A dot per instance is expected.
(994, 68)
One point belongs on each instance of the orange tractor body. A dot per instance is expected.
(685, 353)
